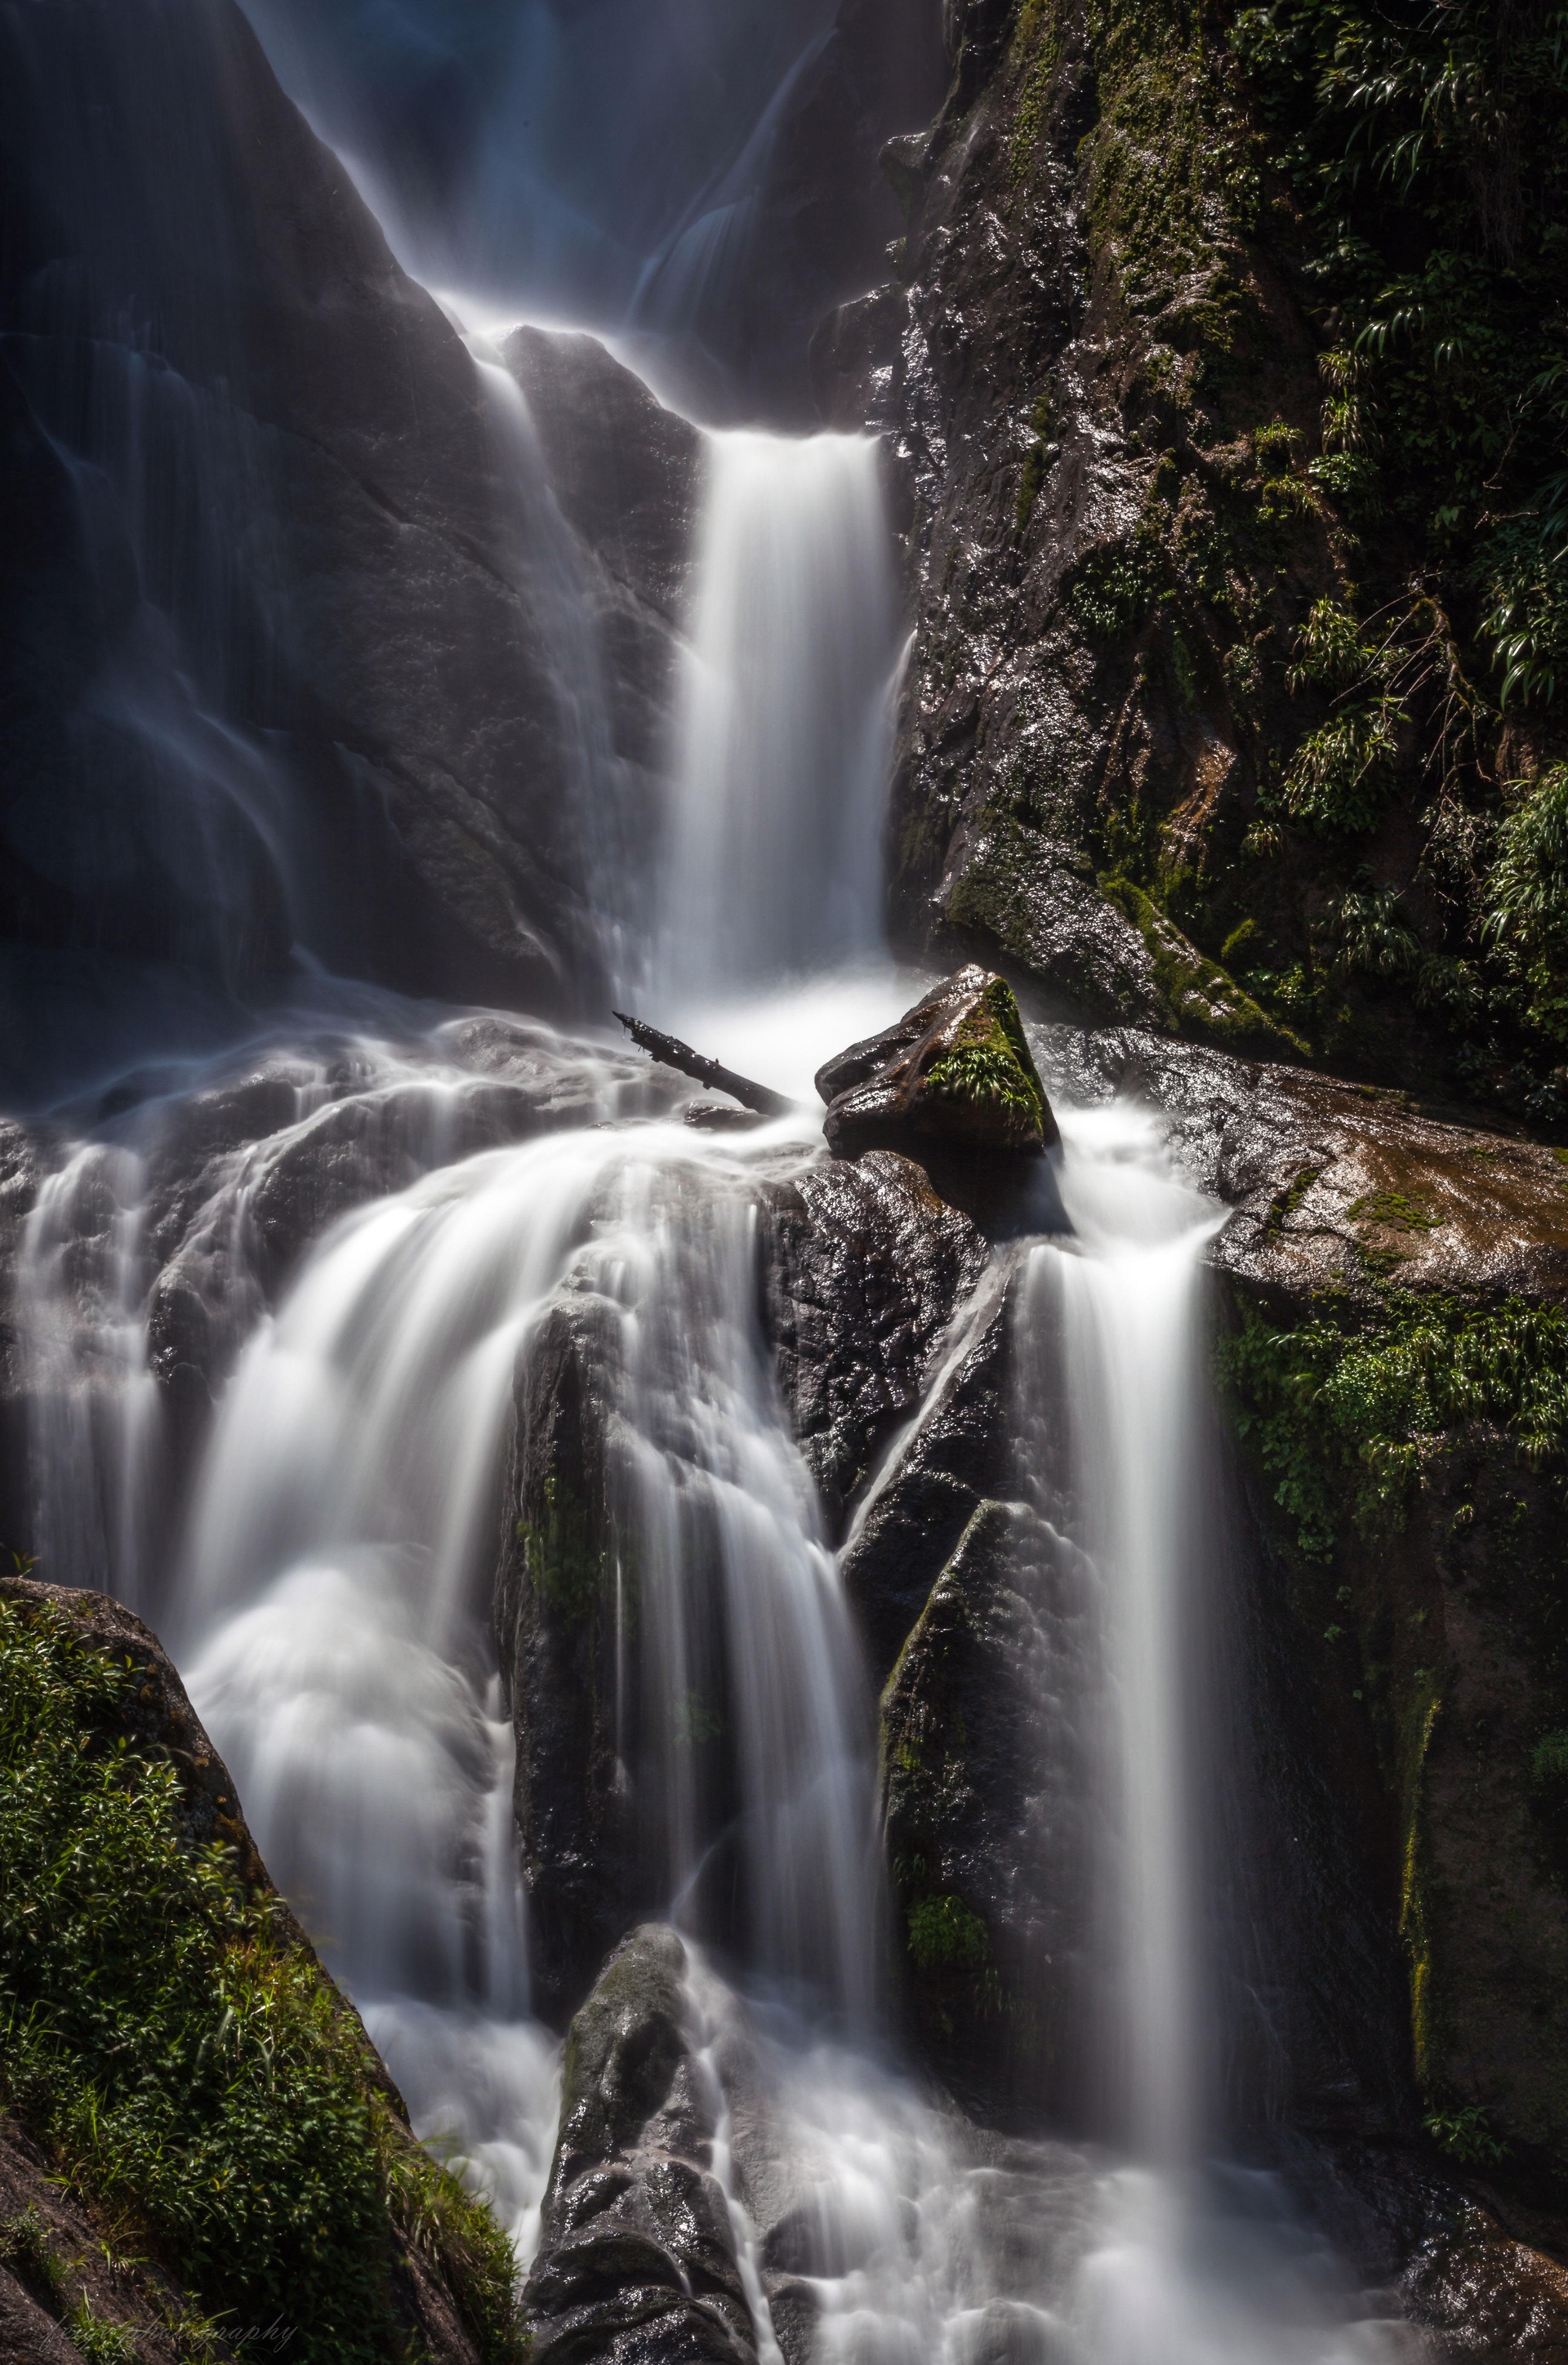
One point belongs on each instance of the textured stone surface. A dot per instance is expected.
(1323, 1175)
(866, 1268)
(636, 2259)
(555, 1631)
(336, 547)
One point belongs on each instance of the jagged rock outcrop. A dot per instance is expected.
(558, 1632)
(866, 1268)
(641, 2244)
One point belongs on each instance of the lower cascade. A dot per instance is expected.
(738, 1614)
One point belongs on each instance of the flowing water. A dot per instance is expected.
(327, 1586)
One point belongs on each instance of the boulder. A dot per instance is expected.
(955, 1071)
(987, 1854)
(636, 2262)
(69, 2248)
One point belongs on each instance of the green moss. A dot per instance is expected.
(990, 1062)
(1398, 1210)
(944, 1935)
(1029, 484)
(566, 1566)
(1199, 998)
(1344, 1406)
(182, 2059)
(1036, 50)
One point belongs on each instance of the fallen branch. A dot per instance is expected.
(669, 1053)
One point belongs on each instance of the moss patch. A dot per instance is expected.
(566, 1565)
(1199, 998)
(990, 1064)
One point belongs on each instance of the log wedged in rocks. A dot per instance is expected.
(670, 1052)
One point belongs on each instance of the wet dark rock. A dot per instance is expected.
(865, 1268)
(956, 1071)
(555, 1632)
(636, 2259)
(341, 568)
(1337, 1185)
(988, 1855)
(922, 1501)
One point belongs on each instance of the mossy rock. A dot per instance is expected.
(955, 1070)
(1198, 996)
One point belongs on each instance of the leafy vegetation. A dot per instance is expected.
(182, 2059)
(1418, 156)
(1344, 1406)
(990, 1062)
(945, 1936)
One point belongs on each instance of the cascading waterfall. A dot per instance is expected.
(331, 1600)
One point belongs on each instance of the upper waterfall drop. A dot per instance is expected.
(773, 865)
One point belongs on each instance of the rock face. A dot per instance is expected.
(636, 2255)
(557, 1630)
(303, 647)
(954, 1073)
(1406, 1545)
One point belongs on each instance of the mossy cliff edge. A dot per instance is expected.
(1225, 371)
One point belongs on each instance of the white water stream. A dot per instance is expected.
(329, 1596)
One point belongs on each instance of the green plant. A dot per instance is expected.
(565, 1565)
(99, 2340)
(1113, 589)
(182, 2057)
(1368, 935)
(1527, 891)
(28, 2247)
(1341, 777)
(945, 1936)
(1465, 2136)
(1029, 483)
(1344, 1407)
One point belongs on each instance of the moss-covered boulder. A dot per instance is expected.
(955, 1070)
(184, 2081)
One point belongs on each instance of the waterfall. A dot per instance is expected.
(774, 861)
